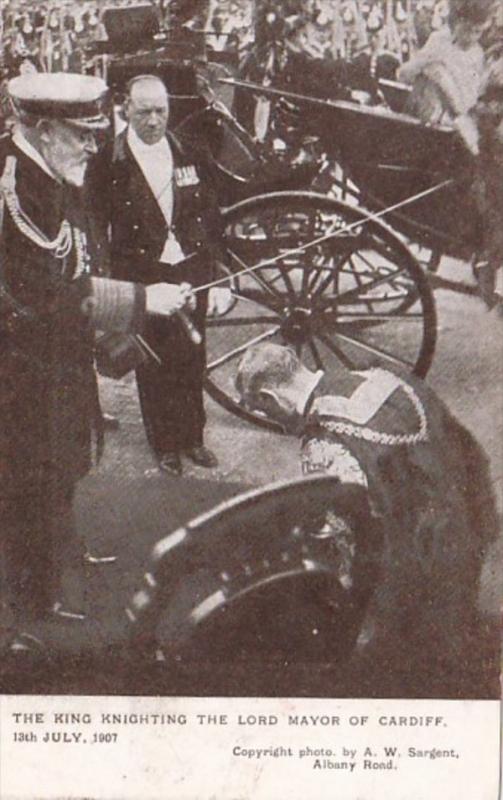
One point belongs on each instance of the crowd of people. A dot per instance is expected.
(55, 35)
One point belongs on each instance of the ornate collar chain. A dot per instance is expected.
(61, 245)
(379, 437)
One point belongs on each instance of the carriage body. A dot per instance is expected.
(388, 157)
(391, 157)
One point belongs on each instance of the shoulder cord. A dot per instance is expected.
(5, 295)
(377, 437)
(61, 245)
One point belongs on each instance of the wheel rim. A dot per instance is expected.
(346, 300)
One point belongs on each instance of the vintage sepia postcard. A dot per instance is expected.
(251, 464)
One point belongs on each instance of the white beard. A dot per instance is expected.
(76, 175)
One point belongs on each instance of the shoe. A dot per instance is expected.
(171, 462)
(92, 558)
(58, 610)
(110, 423)
(21, 661)
(202, 456)
(26, 643)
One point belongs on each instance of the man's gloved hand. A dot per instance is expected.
(165, 299)
(219, 301)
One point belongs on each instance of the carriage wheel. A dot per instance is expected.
(345, 300)
(429, 258)
(337, 183)
(260, 586)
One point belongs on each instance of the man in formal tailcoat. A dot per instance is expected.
(50, 305)
(428, 483)
(166, 226)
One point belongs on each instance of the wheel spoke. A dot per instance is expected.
(238, 350)
(360, 282)
(252, 300)
(222, 322)
(392, 278)
(334, 269)
(306, 273)
(325, 282)
(308, 267)
(376, 351)
(316, 355)
(369, 274)
(354, 317)
(366, 262)
(255, 276)
(317, 273)
(288, 283)
(352, 295)
(336, 351)
(275, 279)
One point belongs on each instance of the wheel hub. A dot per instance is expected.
(296, 325)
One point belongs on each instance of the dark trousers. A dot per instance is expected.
(171, 394)
(38, 543)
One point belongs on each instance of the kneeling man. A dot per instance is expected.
(427, 478)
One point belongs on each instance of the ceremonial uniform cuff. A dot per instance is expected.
(115, 305)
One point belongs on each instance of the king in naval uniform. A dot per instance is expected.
(52, 300)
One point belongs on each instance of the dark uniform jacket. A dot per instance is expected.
(48, 386)
(433, 497)
(49, 303)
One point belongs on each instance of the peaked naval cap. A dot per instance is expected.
(74, 98)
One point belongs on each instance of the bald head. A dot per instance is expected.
(147, 108)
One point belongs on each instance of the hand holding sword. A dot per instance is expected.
(167, 299)
(189, 298)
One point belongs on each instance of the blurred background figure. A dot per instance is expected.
(446, 73)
